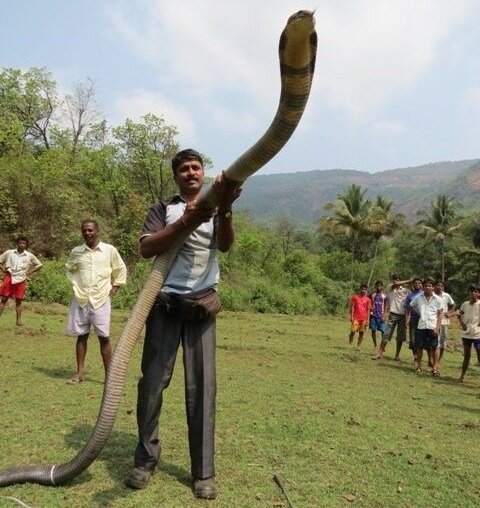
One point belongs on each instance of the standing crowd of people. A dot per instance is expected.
(424, 309)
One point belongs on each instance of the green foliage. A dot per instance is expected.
(8, 211)
(145, 150)
(53, 177)
(126, 296)
(27, 103)
(50, 284)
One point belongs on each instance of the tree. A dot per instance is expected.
(382, 223)
(469, 256)
(81, 110)
(441, 223)
(145, 151)
(29, 100)
(351, 217)
(285, 230)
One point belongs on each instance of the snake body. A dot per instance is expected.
(297, 52)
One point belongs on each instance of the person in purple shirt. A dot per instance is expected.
(377, 324)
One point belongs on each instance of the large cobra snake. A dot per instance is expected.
(297, 51)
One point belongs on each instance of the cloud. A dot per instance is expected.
(473, 97)
(140, 102)
(371, 50)
(223, 54)
(215, 45)
(388, 128)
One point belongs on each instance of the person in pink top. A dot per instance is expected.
(360, 305)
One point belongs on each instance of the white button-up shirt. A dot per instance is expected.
(428, 309)
(18, 264)
(93, 272)
(471, 317)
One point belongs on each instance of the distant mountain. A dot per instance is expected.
(301, 196)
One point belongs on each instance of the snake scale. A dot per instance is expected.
(297, 52)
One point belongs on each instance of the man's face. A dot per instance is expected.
(474, 295)
(90, 234)
(417, 285)
(439, 288)
(428, 288)
(363, 291)
(21, 245)
(189, 177)
(379, 288)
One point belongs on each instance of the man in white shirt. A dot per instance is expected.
(16, 264)
(96, 271)
(469, 318)
(429, 307)
(394, 316)
(448, 307)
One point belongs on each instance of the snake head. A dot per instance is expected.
(302, 17)
(298, 42)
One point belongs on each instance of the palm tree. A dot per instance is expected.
(440, 223)
(350, 217)
(470, 257)
(382, 223)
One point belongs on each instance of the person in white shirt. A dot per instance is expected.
(394, 316)
(17, 265)
(96, 271)
(448, 308)
(469, 318)
(429, 307)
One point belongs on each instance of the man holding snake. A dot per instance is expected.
(184, 312)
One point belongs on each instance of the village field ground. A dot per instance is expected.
(293, 399)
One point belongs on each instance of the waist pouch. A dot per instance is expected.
(191, 306)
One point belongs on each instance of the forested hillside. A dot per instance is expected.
(301, 196)
(61, 161)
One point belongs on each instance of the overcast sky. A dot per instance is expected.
(397, 81)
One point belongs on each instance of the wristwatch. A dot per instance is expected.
(225, 215)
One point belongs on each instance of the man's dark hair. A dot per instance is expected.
(474, 286)
(395, 276)
(20, 238)
(442, 282)
(89, 221)
(189, 154)
(417, 278)
(428, 280)
(377, 282)
(363, 286)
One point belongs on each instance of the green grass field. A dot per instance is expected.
(293, 399)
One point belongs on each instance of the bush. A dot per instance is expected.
(127, 296)
(50, 284)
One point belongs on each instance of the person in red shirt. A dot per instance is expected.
(360, 305)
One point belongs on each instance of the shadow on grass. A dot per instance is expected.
(118, 459)
(65, 373)
(392, 364)
(54, 372)
(474, 410)
(449, 380)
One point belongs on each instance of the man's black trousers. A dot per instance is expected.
(164, 332)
